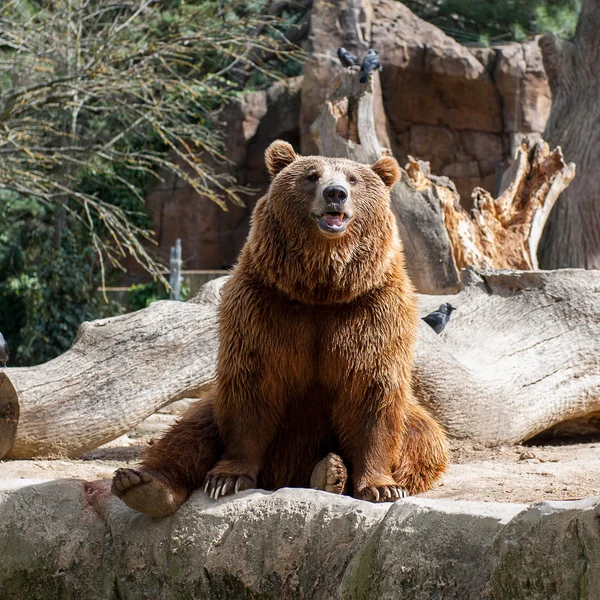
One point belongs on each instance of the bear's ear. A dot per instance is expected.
(388, 169)
(278, 156)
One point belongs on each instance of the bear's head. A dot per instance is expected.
(328, 196)
(324, 232)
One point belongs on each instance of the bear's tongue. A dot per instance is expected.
(334, 219)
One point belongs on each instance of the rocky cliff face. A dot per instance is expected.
(462, 109)
(212, 238)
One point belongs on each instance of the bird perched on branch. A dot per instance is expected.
(347, 58)
(438, 318)
(4, 354)
(370, 63)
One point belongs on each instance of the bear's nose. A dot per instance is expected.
(335, 194)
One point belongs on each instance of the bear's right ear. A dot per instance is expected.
(278, 156)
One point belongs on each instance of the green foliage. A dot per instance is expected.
(143, 294)
(98, 100)
(45, 291)
(495, 21)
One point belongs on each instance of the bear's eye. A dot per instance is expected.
(313, 177)
(352, 180)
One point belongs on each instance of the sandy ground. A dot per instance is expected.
(565, 470)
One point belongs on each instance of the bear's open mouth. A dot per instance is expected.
(332, 222)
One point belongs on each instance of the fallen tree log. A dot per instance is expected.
(521, 354)
(440, 237)
(118, 372)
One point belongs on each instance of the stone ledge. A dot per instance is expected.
(73, 539)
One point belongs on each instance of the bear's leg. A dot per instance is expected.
(423, 456)
(370, 427)
(174, 466)
(329, 475)
(248, 420)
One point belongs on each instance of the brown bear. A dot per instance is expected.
(318, 323)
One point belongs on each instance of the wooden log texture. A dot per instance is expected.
(572, 237)
(504, 233)
(118, 372)
(520, 355)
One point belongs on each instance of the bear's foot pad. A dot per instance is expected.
(329, 475)
(145, 492)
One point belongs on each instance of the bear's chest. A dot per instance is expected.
(323, 345)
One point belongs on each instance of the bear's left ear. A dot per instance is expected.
(388, 169)
(278, 156)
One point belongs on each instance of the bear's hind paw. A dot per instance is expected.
(329, 475)
(145, 492)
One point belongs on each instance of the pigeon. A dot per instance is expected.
(370, 63)
(4, 355)
(347, 58)
(438, 318)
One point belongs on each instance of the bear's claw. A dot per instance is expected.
(383, 493)
(216, 486)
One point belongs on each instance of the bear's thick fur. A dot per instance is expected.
(317, 329)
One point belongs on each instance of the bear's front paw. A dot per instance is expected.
(381, 493)
(218, 484)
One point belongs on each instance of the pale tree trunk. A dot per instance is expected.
(118, 372)
(572, 236)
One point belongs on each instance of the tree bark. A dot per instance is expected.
(519, 356)
(504, 233)
(572, 237)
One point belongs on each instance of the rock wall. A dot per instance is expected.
(73, 540)
(462, 109)
(212, 238)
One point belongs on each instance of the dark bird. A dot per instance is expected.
(370, 63)
(347, 58)
(4, 355)
(438, 318)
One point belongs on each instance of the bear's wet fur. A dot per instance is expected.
(318, 324)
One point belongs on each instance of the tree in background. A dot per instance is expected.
(494, 21)
(572, 235)
(98, 98)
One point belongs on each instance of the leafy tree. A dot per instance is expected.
(489, 21)
(98, 98)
